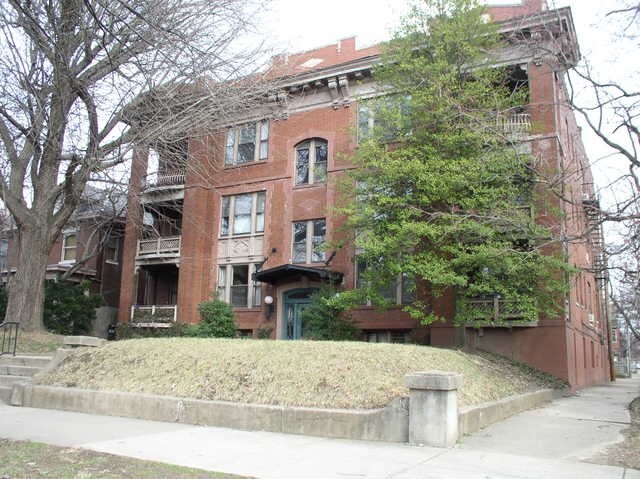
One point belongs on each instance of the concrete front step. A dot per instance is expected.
(25, 360)
(5, 394)
(6, 380)
(11, 370)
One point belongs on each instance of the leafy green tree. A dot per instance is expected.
(440, 194)
(326, 318)
(216, 320)
(69, 308)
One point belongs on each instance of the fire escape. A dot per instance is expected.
(594, 217)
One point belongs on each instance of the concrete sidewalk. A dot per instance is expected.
(279, 456)
(575, 428)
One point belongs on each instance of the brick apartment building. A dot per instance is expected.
(244, 218)
(88, 249)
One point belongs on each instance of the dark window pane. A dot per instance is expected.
(300, 242)
(320, 166)
(361, 267)
(224, 227)
(246, 153)
(321, 152)
(302, 166)
(300, 232)
(319, 231)
(408, 289)
(240, 274)
(364, 113)
(239, 296)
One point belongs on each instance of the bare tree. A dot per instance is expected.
(609, 105)
(81, 81)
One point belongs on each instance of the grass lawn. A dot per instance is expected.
(38, 343)
(296, 373)
(33, 460)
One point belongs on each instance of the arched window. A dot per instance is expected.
(311, 161)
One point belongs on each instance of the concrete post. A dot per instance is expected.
(433, 407)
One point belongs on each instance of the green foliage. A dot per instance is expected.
(216, 320)
(326, 319)
(69, 308)
(449, 202)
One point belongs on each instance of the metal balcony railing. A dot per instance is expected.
(153, 315)
(165, 246)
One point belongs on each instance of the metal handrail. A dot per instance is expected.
(9, 331)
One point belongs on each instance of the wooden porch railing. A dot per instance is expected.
(162, 246)
(514, 123)
(159, 179)
(495, 312)
(153, 315)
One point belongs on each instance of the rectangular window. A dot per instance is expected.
(399, 291)
(69, 246)
(386, 117)
(4, 251)
(112, 249)
(236, 286)
(240, 285)
(308, 237)
(242, 214)
(247, 143)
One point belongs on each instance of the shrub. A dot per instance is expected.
(326, 318)
(69, 308)
(216, 320)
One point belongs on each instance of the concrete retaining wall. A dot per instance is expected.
(474, 418)
(389, 424)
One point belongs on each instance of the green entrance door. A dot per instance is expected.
(295, 302)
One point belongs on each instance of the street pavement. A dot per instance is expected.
(547, 442)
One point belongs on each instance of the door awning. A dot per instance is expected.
(293, 271)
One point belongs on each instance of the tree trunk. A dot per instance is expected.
(26, 288)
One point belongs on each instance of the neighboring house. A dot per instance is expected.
(88, 248)
(241, 211)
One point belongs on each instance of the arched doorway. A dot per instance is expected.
(295, 302)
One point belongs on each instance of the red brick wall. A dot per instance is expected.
(526, 7)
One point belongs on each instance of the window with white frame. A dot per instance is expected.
(247, 143)
(308, 237)
(399, 291)
(237, 287)
(69, 246)
(311, 161)
(242, 214)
